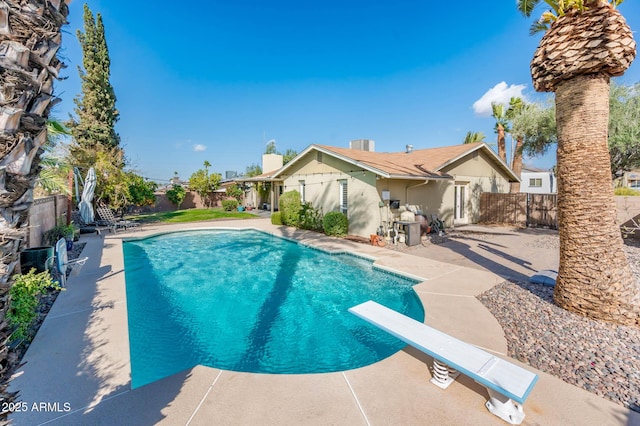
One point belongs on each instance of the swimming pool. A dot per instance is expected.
(244, 300)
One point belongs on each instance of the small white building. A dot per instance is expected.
(537, 181)
(631, 179)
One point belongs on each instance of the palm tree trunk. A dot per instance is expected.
(594, 279)
(502, 145)
(29, 42)
(516, 166)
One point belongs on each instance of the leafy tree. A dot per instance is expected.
(235, 191)
(289, 155)
(576, 59)
(176, 195)
(204, 183)
(95, 142)
(96, 106)
(624, 128)
(535, 123)
(141, 190)
(271, 147)
(112, 186)
(253, 170)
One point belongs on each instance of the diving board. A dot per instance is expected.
(508, 384)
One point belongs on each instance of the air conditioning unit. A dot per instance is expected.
(363, 144)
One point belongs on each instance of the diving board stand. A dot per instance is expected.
(508, 384)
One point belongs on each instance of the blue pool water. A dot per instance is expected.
(247, 301)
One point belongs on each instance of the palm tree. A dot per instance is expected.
(585, 44)
(473, 137)
(53, 177)
(502, 127)
(28, 66)
(516, 106)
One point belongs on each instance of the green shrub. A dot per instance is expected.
(61, 230)
(23, 300)
(176, 195)
(290, 208)
(336, 224)
(310, 218)
(235, 191)
(276, 219)
(229, 204)
(626, 191)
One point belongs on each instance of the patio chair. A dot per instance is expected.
(86, 228)
(62, 262)
(107, 218)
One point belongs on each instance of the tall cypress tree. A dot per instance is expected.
(93, 128)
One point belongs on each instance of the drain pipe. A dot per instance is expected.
(406, 197)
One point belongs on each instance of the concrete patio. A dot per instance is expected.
(77, 370)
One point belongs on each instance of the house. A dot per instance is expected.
(373, 188)
(538, 181)
(263, 191)
(631, 179)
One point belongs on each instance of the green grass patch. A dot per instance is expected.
(623, 190)
(192, 215)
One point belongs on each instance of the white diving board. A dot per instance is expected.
(505, 381)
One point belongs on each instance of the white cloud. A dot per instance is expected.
(199, 147)
(500, 93)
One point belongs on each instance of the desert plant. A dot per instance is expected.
(310, 218)
(290, 208)
(276, 218)
(336, 224)
(229, 204)
(23, 300)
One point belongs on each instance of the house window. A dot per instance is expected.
(302, 192)
(343, 196)
(634, 184)
(535, 183)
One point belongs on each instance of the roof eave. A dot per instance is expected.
(417, 177)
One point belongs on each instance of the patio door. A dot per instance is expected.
(460, 216)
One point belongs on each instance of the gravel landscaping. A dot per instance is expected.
(597, 356)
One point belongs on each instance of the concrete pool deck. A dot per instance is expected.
(77, 369)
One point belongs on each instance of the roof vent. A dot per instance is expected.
(409, 148)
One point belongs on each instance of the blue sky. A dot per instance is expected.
(217, 80)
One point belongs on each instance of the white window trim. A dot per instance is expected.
(344, 196)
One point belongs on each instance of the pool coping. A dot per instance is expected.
(80, 357)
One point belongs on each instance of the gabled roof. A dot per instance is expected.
(264, 177)
(417, 164)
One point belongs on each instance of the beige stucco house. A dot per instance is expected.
(372, 187)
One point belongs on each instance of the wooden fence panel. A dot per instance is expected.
(543, 210)
(503, 208)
